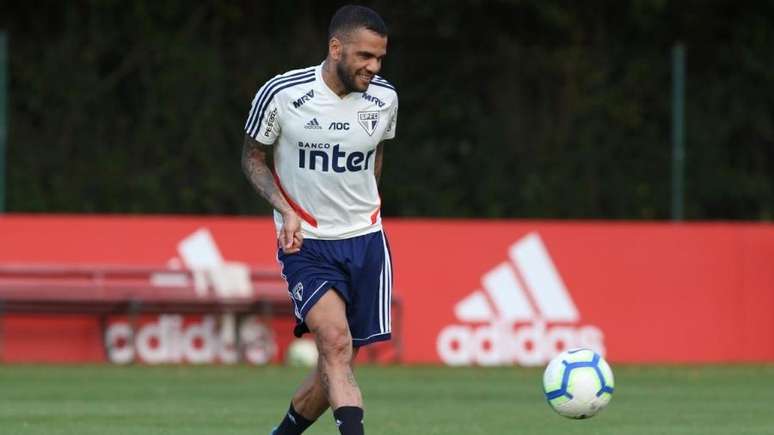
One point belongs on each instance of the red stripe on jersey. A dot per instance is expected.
(303, 214)
(375, 214)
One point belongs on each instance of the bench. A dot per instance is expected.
(105, 291)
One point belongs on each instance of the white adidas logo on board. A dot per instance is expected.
(524, 314)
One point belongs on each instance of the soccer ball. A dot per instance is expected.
(578, 383)
(302, 352)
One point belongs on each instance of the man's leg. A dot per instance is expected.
(328, 321)
(310, 399)
(308, 403)
(332, 381)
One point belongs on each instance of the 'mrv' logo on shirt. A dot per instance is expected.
(304, 98)
(373, 99)
(324, 157)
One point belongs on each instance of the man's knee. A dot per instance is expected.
(328, 321)
(334, 342)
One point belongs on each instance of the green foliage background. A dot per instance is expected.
(525, 109)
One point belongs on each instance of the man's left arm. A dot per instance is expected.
(378, 161)
(389, 133)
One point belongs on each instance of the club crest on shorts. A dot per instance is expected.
(368, 119)
(298, 291)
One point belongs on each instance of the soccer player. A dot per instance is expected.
(313, 149)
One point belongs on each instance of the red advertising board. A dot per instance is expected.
(472, 291)
(639, 292)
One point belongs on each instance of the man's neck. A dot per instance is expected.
(332, 79)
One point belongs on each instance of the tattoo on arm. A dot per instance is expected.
(257, 164)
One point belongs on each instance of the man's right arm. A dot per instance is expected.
(257, 164)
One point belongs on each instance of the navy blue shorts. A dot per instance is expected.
(359, 269)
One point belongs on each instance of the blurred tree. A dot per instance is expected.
(520, 108)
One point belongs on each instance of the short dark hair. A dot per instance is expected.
(353, 17)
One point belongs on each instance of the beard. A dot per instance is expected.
(347, 78)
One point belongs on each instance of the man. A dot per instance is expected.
(313, 149)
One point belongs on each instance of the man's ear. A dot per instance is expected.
(335, 48)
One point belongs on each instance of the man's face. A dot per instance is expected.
(361, 58)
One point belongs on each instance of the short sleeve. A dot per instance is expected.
(263, 121)
(389, 132)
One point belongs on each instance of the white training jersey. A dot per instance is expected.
(325, 148)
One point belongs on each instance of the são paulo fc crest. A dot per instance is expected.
(368, 120)
(298, 291)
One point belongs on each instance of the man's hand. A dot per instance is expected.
(290, 238)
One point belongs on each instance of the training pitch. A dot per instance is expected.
(99, 400)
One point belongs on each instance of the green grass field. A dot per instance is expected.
(109, 400)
